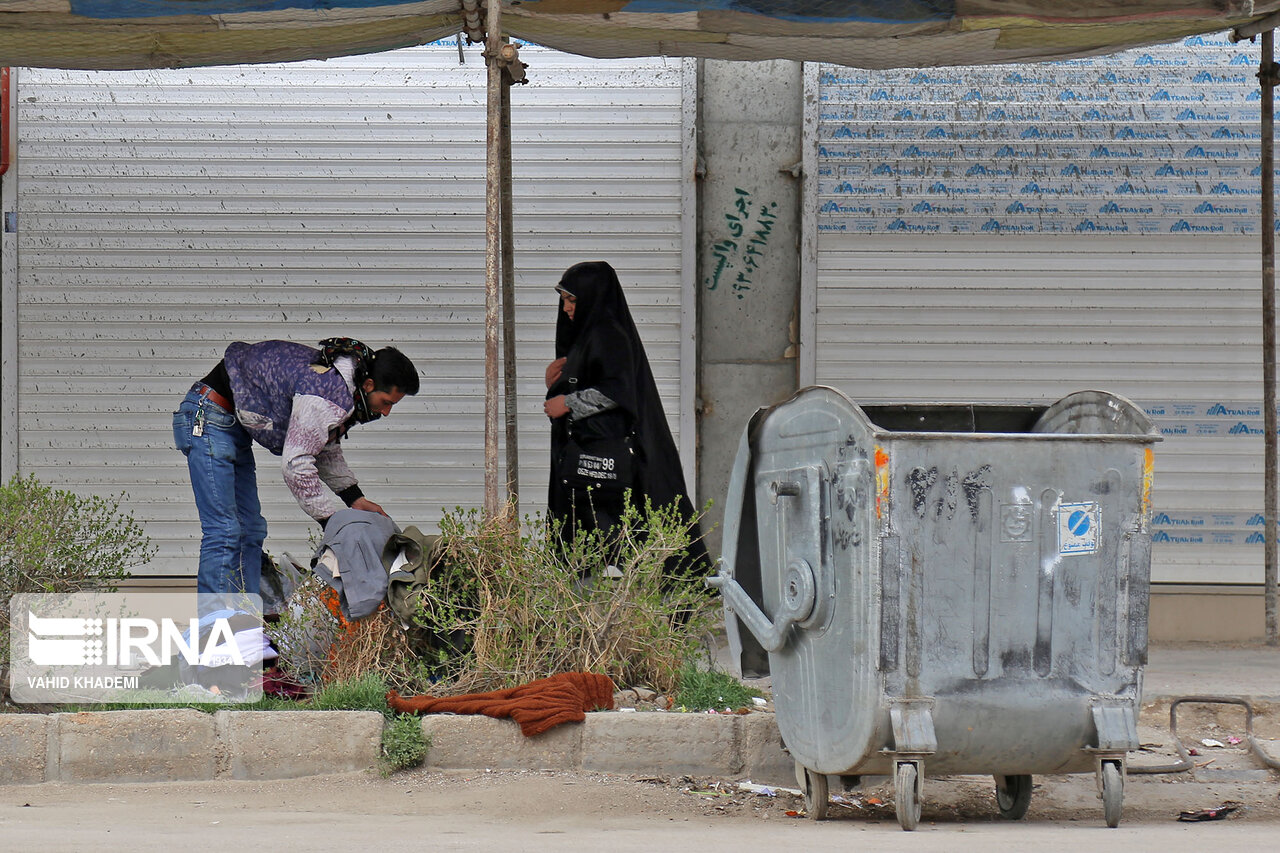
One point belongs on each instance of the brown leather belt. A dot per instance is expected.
(214, 397)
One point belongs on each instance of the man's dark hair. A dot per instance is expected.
(393, 369)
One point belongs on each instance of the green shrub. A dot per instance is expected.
(403, 743)
(366, 693)
(711, 690)
(55, 541)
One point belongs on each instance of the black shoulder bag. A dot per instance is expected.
(607, 464)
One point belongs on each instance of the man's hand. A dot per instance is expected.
(553, 371)
(368, 506)
(555, 407)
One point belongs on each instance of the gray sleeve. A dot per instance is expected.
(588, 402)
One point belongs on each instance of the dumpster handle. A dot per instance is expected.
(732, 525)
(799, 589)
(771, 635)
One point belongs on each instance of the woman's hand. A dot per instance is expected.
(553, 371)
(555, 407)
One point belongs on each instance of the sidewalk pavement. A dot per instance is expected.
(1250, 671)
(187, 745)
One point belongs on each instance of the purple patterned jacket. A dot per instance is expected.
(294, 408)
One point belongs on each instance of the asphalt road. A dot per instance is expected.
(546, 811)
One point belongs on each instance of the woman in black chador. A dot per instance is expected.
(600, 387)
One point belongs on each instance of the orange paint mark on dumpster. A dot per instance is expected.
(882, 479)
(1148, 470)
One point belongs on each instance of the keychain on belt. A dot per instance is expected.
(198, 429)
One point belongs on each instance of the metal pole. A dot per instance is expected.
(509, 302)
(1263, 25)
(492, 221)
(1267, 80)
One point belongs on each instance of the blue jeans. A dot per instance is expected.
(225, 481)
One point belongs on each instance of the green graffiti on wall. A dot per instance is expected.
(738, 256)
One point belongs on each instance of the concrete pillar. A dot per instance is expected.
(750, 145)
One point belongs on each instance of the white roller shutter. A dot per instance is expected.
(1017, 233)
(164, 214)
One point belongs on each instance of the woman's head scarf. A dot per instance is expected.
(595, 286)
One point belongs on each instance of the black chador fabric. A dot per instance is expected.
(603, 351)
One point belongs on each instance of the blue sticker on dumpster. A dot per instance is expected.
(1078, 527)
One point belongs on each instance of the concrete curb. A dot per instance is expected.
(650, 742)
(181, 744)
(184, 745)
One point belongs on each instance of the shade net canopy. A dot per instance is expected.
(126, 34)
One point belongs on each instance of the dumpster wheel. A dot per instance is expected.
(907, 795)
(816, 793)
(1112, 792)
(1013, 796)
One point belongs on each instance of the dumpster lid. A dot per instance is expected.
(1080, 413)
(1095, 413)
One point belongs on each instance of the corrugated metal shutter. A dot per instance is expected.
(165, 214)
(1018, 233)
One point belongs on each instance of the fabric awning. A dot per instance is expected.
(122, 34)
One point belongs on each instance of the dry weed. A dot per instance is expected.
(509, 604)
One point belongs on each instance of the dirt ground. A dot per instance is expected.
(551, 809)
(946, 800)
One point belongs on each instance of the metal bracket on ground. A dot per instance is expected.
(1184, 762)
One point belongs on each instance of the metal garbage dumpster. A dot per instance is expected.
(944, 588)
